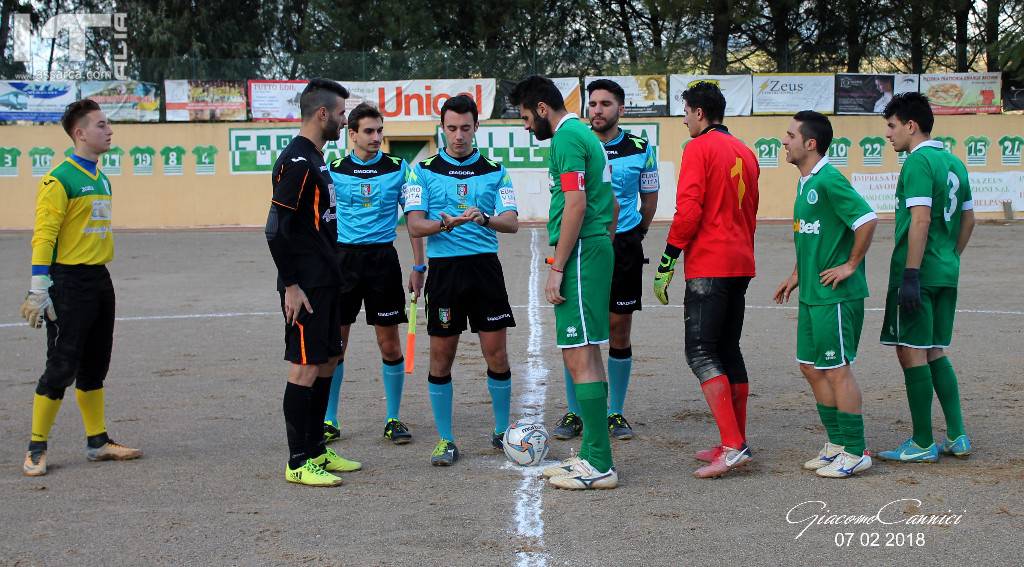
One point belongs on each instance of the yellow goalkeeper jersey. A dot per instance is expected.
(72, 224)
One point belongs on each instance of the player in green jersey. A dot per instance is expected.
(580, 227)
(934, 221)
(832, 230)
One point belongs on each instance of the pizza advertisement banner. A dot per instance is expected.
(858, 93)
(737, 89)
(568, 86)
(421, 99)
(646, 95)
(788, 94)
(205, 101)
(36, 101)
(125, 101)
(275, 100)
(963, 93)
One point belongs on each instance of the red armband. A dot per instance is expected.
(572, 181)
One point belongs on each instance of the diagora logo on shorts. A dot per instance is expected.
(444, 316)
(830, 355)
(500, 317)
(570, 332)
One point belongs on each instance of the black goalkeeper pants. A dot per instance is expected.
(79, 342)
(713, 308)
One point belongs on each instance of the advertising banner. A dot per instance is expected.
(38, 101)
(421, 99)
(516, 148)
(254, 150)
(868, 94)
(275, 100)
(788, 94)
(205, 101)
(124, 101)
(646, 95)
(989, 190)
(738, 91)
(568, 86)
(963, 93)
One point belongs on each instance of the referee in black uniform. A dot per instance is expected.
(301, 231)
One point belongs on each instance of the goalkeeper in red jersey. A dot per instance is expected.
(713, 226)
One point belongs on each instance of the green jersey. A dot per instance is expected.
(826, 213)
(578, 155)
(931, 177)
(9, 162)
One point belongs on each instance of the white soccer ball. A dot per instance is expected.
(525, 443)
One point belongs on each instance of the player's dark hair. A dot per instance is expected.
(75, 112)
(911, 106)
(534, 90)
(320, 93)
(610, 86)
(363, 110)
(460, 104)
(815, 126)
(707, 97)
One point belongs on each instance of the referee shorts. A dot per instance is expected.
(462, 288)
(628, 274)
(315, 337)
(371, 276)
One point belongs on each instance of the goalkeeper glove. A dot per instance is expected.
(666, 269)
(37, 305)
(910, 290)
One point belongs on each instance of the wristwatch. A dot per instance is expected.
(487, 218)
(421, 268)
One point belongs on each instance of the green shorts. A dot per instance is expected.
(827, 335)
(931, 326)
(587, 287)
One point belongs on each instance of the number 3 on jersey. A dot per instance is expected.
(953, 182)
(741, 187)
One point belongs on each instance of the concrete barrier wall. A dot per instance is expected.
(214, 174)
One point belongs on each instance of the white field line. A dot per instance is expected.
(529, 523)
(533, 304)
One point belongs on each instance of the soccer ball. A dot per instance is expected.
(525, 443)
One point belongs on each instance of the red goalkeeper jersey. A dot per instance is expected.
(716, 206)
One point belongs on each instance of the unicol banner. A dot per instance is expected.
(421, 99)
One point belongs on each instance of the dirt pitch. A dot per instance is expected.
(197, 377)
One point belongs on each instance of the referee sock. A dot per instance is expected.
(918, 380)
(852, 427)
(440, 389)
(620, 364)
(593, 400)
(297, 405)
(499, 384)
(91, 406)
(831, 422)
(334, 400)
(570, 392)
(44, 413)
(948, 392)
(719, 396)
(393, 374)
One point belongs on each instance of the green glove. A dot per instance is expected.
(666, 269)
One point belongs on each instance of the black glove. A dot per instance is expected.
(910, 290)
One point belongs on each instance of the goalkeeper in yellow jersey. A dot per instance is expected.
(71, 292)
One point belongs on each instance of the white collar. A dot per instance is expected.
(817, 167)
(567, 116)
(928, 144)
